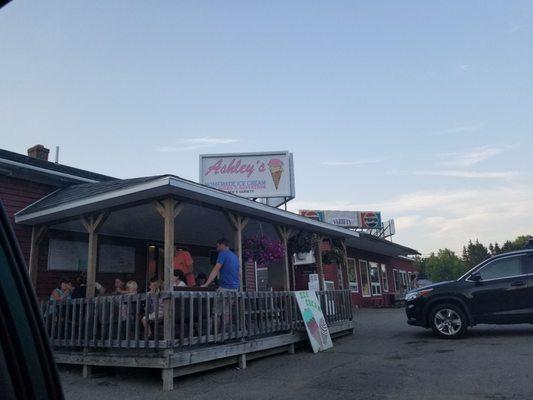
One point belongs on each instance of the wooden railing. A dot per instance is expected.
(194, 318)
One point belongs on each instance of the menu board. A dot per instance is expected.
(67, 255)
(116, 258)
(71, 255)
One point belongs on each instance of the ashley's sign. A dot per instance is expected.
(252, 175)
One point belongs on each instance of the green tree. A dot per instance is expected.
(494, 249)
(520, 242)
(444, 265)
(474, 253)
(420, 264)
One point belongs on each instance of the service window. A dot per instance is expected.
(373, 270)
(365, 280)
(502, 268)
(384, 278)
(352, 275)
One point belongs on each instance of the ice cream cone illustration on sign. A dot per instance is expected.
(275, 166)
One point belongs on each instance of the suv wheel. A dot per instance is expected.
(448, 321)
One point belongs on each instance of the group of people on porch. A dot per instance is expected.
(225, 275)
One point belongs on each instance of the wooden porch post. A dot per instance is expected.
(319, 265)
(238, 223)
(92, 224)
(169, 210)
(37, 234)
(284, 234)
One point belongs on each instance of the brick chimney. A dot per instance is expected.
(38, 151)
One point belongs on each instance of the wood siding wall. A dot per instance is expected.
(16, 194)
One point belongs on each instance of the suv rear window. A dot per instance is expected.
(502, 268)
(528, 264)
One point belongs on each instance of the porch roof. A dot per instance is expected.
(373, 244)
(73, 201)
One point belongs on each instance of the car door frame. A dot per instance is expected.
(501, 300)
(26, 348)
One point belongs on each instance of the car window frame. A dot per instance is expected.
(490, 261)
(25, 343)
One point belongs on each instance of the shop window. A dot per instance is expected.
(352, 275)
(365, 280)
(397, 282)
(384, 278)
(373, 270)
(404, 281)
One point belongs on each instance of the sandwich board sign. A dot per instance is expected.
(314, 321)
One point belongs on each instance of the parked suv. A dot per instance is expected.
(497, 291)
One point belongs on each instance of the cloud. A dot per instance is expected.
(514, 27)
(460, 129)
(353, 162)
(428, 220)
(471, 157)
(467, 174)
(188, 144)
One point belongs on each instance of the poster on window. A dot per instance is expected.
(313, 284)
(315, 323)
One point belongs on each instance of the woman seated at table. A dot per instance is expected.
(179, 279)
(154, 307)
(63, 291)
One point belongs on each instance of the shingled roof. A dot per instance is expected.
(76, 200)
(15, 161)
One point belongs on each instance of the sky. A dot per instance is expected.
(421, 110)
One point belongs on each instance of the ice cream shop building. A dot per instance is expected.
(52, 207)
(91, 231)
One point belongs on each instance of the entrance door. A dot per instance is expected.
(155, 262)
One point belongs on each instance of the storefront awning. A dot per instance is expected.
(373, 244)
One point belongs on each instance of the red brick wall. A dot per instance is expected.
(386, 298)
(249, 268)
(15, 194)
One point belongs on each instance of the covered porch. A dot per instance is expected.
(196, 328)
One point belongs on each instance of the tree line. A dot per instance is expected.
(445, 265)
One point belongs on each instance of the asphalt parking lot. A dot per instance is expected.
(385, 359)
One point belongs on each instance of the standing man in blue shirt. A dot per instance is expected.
(228, 267)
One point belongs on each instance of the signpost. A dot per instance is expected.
(315, 323)
(268, 175)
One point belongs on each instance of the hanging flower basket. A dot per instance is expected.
(333, 256)
(263, 250)
(303, 242)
